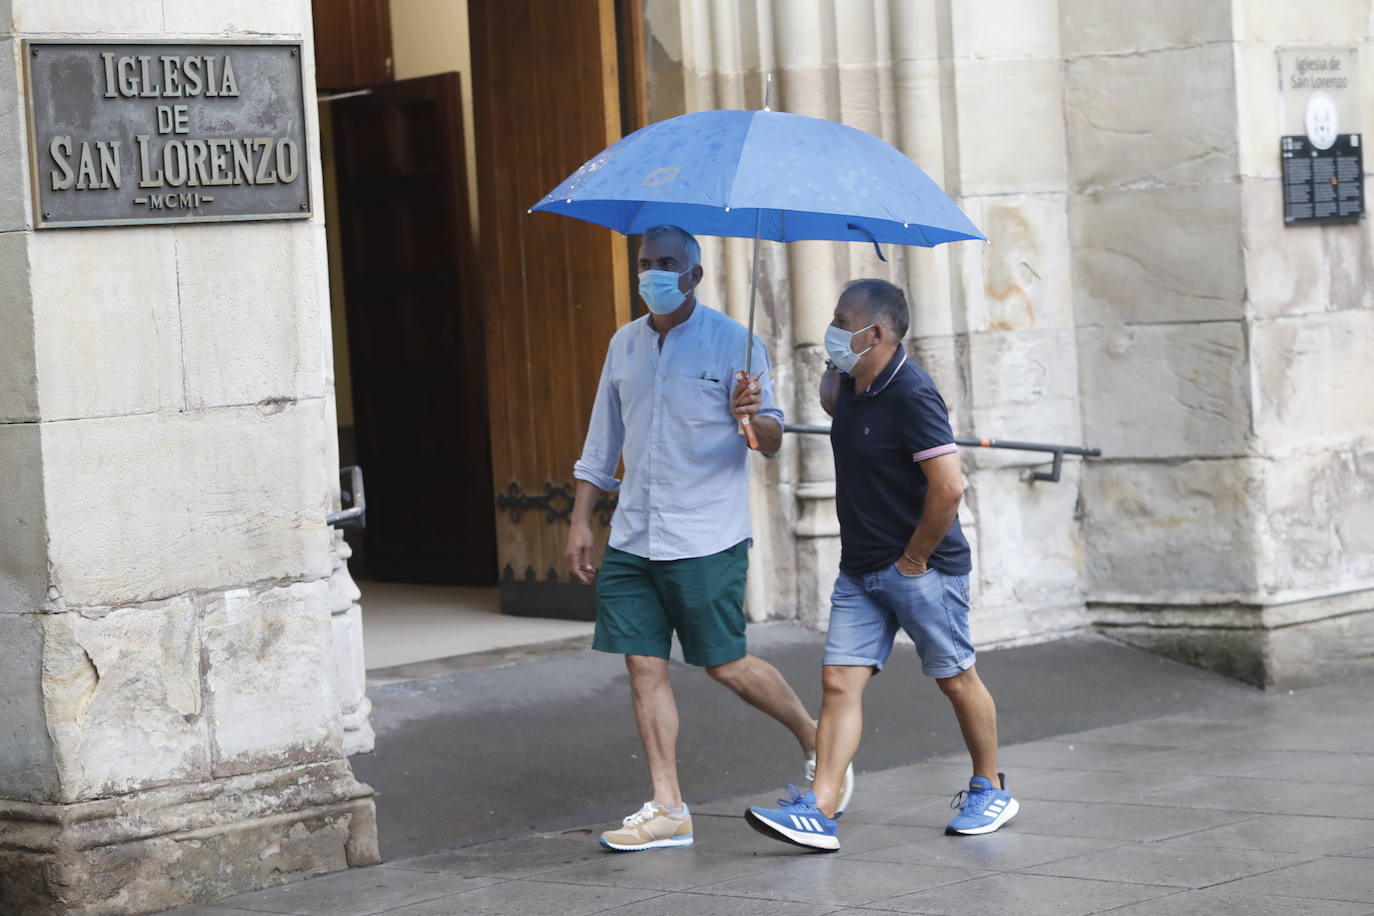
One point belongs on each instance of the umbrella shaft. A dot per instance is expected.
(753, 295)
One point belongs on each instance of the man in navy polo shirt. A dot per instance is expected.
(904, 563)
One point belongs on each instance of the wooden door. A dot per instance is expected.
(352, 43)
(546, 91)
(416, 339)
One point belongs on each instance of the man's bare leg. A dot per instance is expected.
(841, 728)
(977, 714)
(656, 714)
(762, 686)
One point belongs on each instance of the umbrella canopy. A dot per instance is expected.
(761, 174)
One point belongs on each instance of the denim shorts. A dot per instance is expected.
(866, 610)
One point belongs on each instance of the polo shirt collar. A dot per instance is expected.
(885, 377)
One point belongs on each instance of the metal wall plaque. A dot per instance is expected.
(166, 132)
(1320, 152)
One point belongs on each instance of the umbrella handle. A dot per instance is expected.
(748, 431)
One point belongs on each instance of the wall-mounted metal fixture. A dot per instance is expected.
(1052, 475)
(352, 497)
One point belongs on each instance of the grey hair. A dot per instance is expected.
(689, 241)
(884, 303)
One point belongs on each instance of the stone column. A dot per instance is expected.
(1224, 357)
(972, 93)
(167, 673)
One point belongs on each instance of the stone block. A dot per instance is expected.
(1021, 279)
(1022, 369)
(269, 678)
(1011, 126)
(189, 843)
(26, 766)
(18, 376)
(106, 338)
(202, 500)
(250, 335)
(1166, 391)
(1142, 119)
(1005, 28)
(1350, 264)
(1160, 254)
(88, 17)
(1327, 651)
(1129, 26)
(122, 697)
(1257, 73)
(254, 18)
(1178, 533)
(23, 529)
(1312, 379)
(1318, 521)
(1292, 23)
(1030, 549)
(15, 210)
(1285, 267)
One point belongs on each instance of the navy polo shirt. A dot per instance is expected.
(880, 437)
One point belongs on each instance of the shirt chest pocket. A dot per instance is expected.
(701, 397)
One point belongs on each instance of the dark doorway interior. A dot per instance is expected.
(415, 331)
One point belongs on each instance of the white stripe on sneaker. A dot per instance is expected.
(815, 826)
(797, 823)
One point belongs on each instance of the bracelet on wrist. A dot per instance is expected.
(911, 559)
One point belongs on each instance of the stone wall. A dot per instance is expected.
(172, 602)
(1139, 294)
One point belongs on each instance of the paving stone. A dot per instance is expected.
(1169, 863)
(524, 898)
(663, 869)
(1092, 785)
(839, 881)
(1137, 823)
(1288, 833)
(357, 892)
(1081, 755)
(519, 857)
(1005, 850)
(1024, 895)
(1346, 768)
(1168, 731)
(1267, 796)
(688, 904)
(1329, 878)
(360, 891)
(1211, 901)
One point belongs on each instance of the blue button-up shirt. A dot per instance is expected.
(686, 487)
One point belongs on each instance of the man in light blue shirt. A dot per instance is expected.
(671, 389)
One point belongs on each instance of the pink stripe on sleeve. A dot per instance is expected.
(934, 452)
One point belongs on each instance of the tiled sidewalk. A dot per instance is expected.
(1251, 806)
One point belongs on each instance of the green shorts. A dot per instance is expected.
(642, 603)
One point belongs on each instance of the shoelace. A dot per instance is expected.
(793, 798)
(640, 816)
(975, 801)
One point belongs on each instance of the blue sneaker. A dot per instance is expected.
(798, 821)
(982, 808)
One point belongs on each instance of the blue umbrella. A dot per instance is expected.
(761, 174)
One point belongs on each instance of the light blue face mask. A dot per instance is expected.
(839, 344)
(658, 289)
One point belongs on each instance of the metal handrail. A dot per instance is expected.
(1052, 475)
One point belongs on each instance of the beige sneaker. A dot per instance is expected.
(846, 784)
(651, 827)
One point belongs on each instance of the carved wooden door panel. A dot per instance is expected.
(546, 98)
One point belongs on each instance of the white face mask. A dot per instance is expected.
(839, 345)
(659, 290)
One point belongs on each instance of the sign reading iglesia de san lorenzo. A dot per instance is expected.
(165, 132)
